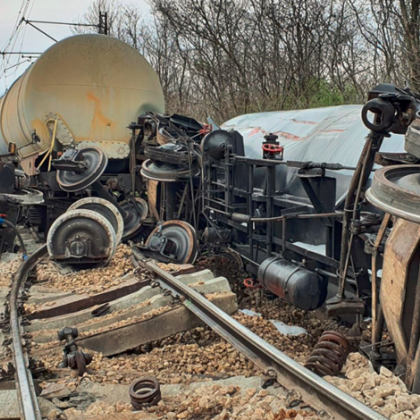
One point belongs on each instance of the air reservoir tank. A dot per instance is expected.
(304, 289)
(90, 87)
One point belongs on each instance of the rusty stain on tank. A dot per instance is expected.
(96, 84)
(256, 130)
(284, 134)
(288, 135)
(79, 139)
(99, 120)
(332, 131)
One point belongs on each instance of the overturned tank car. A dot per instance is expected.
(319, 206)
(65, 121)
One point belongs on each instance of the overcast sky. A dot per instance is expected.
(29, 39)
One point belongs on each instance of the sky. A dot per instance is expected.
(29, 39)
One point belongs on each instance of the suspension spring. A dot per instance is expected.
(35, 214)
(145, 392)
(329, 355)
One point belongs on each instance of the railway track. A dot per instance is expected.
(28, 402)
(316, 393)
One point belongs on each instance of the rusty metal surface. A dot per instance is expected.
(24, 383)
(94, 83)
(183, 237)
(73, 357)
(400, 249)
(138, 208)
(376, 330)
(145, 392)
(329, 354)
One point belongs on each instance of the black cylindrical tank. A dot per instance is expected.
(302, 288)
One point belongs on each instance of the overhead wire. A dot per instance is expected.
(19, 57)
(30, 3)
(17, 64)
(25, 9)
(18, 24)
(12, 42)
(23, 17)
(24, 31)
(15, 27)
(8, 62)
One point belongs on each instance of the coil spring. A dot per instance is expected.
(35, 215)
(145, 392)
(329, 355)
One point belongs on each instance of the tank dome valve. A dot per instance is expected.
(271, 147)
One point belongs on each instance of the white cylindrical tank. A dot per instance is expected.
(93, 86)
(333, 134)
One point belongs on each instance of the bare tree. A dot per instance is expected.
(229, 57)
(391, 27)
(91, 16)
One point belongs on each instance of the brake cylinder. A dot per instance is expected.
(303, 288)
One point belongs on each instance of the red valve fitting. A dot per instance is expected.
(272, 148)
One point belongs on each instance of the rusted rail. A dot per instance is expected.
(316, 392)
(24, 384)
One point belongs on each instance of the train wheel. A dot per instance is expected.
(96, 161)
(137, 211)
(104, 208)
(166, 172)
(181, 240)
(396, 190)
(81, 237)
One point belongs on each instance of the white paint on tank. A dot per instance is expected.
(96, 84)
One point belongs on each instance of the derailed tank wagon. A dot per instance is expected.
(298, 198)
(76, 102)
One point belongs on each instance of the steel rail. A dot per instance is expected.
(26, 392)
(316, 392)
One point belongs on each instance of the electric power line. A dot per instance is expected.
(18, 52)
(5, 65)
(65, 23)
(11, 43)
(28, 22)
